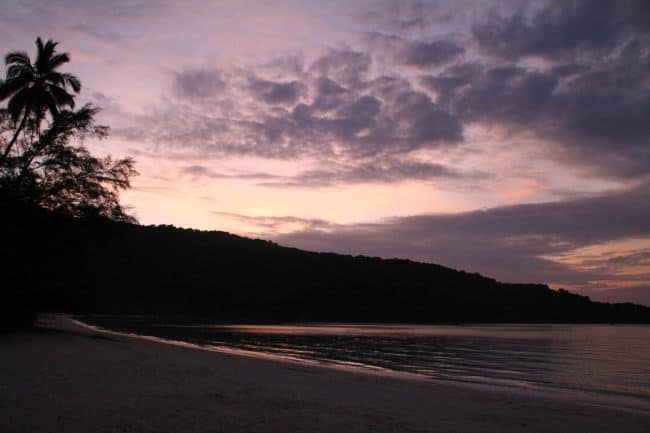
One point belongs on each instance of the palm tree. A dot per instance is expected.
(35, 88)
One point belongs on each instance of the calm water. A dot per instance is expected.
(605, 362)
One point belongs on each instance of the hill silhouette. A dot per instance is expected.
(96, 265)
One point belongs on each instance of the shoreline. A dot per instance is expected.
(592, 399)
(67, 378)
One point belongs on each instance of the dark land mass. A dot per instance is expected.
(52, 262)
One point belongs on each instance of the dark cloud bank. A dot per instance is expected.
(588, 94)
(512, 243)
(334, 109)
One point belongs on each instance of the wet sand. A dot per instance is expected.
(65, 378)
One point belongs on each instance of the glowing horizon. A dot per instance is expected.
(452, 132)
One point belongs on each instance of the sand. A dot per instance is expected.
(64, 378)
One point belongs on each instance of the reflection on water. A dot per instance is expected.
(594, 359)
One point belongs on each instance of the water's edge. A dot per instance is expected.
(586, 398)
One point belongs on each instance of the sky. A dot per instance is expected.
(505, 137)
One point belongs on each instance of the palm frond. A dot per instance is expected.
(73, 81)
(11, 86)
(16, 70)
(50, 47)
(64, 80)
(88, 110)
(57, 60)
(40, 51)
(61, 97)
(18, 57)
(45, 53)
(52, 108)
(55, 78)
(20, 102)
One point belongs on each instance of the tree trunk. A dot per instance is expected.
(15, 137)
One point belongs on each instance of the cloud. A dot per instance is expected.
(396, 93)
(422, 54)
(562, 28)
(198, 84)
(201, 171)
(419, 52)
(588, 100)
(81, 23)
(371, 171)
(513, 243)
(385, 171)
(284, 93)
(337, 110)
(400, 15)
(346, 66)
(593, 115)
(277, 225)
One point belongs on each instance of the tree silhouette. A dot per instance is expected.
(47, 165)
(34, 88)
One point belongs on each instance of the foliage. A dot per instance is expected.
(42, 159)
(213, 276)
(34, 88)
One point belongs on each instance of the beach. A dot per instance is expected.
(63, 377)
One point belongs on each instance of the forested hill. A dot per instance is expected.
(97, 265)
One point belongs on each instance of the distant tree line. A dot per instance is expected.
(95, 265)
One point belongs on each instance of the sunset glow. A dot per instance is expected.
(451, 132)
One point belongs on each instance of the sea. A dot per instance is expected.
(600, 364)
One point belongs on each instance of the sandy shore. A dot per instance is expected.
(64, 378)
